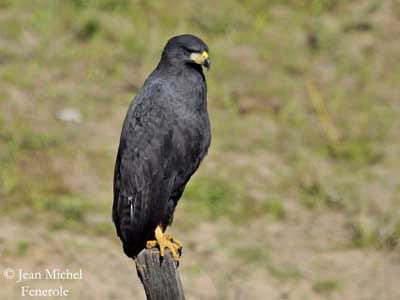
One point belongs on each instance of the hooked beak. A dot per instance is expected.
(201, 59)
(207, 63)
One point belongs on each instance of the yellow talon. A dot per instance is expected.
(151, 244)
(173, 240)
(165, 241)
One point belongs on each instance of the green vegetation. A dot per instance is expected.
(211, 198)
(327, 286)
(322, 112)
(303, 99)
(22, 247)
(274, 208)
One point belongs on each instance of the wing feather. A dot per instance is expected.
(143, 178)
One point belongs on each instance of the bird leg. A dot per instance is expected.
(165, 241)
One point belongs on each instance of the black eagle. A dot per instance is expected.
(164, 138)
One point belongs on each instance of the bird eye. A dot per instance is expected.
(191, 50)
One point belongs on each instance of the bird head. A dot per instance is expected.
(187, 49)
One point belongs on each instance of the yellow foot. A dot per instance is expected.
(165, 241)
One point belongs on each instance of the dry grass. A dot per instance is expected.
(298, 197)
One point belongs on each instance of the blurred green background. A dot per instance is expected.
(299, 195)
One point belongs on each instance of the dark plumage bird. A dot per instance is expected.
(165, 136)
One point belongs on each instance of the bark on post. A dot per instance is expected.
(159, 276)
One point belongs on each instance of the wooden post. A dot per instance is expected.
(159, 275)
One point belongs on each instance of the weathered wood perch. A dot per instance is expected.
(159, 275)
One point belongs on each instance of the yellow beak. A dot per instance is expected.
(201, 59)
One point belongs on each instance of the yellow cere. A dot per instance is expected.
(199, 57)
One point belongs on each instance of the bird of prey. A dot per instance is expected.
(164, 138)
